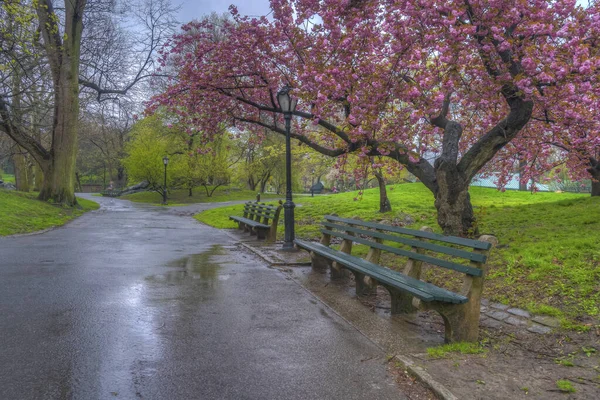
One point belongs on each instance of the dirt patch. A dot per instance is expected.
(516, 363)
(522, 365)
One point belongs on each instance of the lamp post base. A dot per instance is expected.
(288, 247)
(288, 212)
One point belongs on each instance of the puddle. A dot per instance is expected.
(194, 267)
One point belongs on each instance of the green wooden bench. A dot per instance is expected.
(460, 311)
(111, 193)
(256, 220)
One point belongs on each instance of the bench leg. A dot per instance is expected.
(337, 271)
(272, 234)
(319, 262)
(364, 287)
(401, 303)
(370, 285)
(261, 233)
(461, 321)
(241, 226)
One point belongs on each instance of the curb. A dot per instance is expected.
(269, 260)
(423, 376)
(16, 235)
(415, 371)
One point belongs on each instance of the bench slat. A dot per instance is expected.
(260, 213)
(476, 244)
(412, 242)
(415, 256)
(422, 290)
(250, 222)
(261, 206)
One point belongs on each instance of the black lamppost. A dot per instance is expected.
(166, 162)
(288, 106)
(312, 190)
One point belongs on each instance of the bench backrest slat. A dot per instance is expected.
(255, 210)
(481, 258)
(410, 254)
(476, 244)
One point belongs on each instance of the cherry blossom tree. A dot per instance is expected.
(443, 87)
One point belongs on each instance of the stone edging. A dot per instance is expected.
(423, 376)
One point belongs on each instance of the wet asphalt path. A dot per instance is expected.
(143, 302)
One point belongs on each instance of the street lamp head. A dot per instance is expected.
(165, 160)
(286, 102)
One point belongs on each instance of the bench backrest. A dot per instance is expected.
(258, 211)
(375, 235)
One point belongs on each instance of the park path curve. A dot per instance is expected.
(135, 301)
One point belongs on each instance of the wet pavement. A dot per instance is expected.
(135, 301)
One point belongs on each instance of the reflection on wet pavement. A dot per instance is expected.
(135, 301)
(194, 267)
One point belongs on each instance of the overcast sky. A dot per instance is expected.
(194, 9)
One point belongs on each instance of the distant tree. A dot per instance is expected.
(151, 140)
(205, 165)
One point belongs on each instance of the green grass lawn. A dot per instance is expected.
(548, 259)
(7, 178)
(181, 196)
(22, 213)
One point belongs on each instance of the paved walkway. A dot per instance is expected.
(134, 301)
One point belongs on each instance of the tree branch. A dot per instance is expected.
(34, 147)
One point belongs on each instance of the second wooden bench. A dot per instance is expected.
(255, 220)
(460, 311)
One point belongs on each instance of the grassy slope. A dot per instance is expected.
(7, 178)
(22, 213)
(179, 197)
(548, 254)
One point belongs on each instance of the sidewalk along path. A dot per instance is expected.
(520, 355)
(134, 301)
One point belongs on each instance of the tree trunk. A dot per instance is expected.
(63, 54)
(596, 187)
(30, 173)
(452, 200)
(384, 201)
(252, 183)
(263, 183)
(121, 175)
(38, 177)
(190, 191)
(20, 156)
(455, 212)
(21, 178)
(594, 171)
(522, 185)
(59, 179)
(78, 182)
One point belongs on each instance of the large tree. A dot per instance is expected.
(451, 81)
(59, 44)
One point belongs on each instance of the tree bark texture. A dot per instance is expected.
(63, 56)
(522, 185)
(594, 171)
(384, 201)
(452, 200)
(21, 171)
